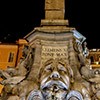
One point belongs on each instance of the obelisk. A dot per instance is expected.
(54, 13)
(54, 9)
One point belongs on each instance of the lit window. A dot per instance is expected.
(11, 57)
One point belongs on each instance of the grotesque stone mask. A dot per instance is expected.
(55, 80)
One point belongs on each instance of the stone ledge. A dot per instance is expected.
(55, 22)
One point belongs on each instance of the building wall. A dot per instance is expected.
(10, 55)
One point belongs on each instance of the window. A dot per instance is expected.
(11, 57)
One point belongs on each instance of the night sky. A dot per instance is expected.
(19, 17)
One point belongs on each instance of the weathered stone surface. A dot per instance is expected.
(54, 9)
(55, 22)
(14, 98)
(54, 4)
(57, 14)
(13, 80)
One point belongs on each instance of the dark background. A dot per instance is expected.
(19, 17)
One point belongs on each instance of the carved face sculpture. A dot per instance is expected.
(55, 80)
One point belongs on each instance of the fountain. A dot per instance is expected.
(54, 64)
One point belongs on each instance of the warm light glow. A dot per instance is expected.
(97, 62)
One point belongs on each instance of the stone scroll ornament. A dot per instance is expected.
(35, 95)
(72, 95)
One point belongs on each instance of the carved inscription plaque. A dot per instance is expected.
(54, 52)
